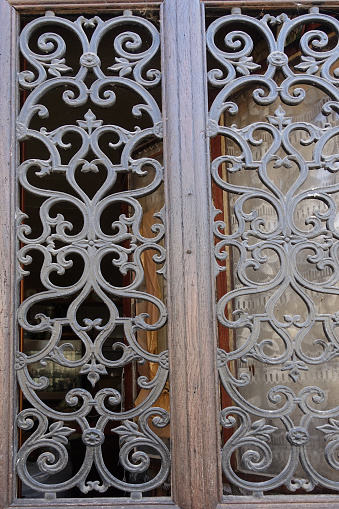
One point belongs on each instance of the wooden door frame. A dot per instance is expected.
(192, 340)
(195, 439)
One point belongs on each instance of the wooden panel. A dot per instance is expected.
(194, 427)
(281, 502)
(276, 4)
(7, 160)
(99, 503)
(42, 5)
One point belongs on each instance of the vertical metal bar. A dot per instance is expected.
(194, 401)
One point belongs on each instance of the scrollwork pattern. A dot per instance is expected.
(282, 167)
(88, 89)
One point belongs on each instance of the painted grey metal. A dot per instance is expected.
(293, 409)
(89, 86)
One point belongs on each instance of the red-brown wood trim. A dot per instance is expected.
(192, 330)
(8, 106)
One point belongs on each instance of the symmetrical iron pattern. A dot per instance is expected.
(278, 172)
(91, 88)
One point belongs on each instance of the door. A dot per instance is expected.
(117, 354)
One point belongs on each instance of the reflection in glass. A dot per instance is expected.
(274, 166)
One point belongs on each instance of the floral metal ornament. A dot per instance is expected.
(278, 173)
(89, 89)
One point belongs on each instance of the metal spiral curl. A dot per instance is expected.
(263, 336)
(89, 85)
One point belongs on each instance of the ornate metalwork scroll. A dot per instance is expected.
(84, 250)
(276, 231)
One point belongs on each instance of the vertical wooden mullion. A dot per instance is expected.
(194, 395)
(8, 104)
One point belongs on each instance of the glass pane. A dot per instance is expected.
(274, 129)
(93, 363)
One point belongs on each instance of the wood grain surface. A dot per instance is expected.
(33, 6)
(194, 388)
(194, 428)
(7, 254)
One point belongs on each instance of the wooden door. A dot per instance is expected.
(194, 353)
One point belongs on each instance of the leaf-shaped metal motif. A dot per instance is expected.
(85, 152)
(331, 430)
(59, 432)
(274, 172)
(261, 430)
(58, 66)
(128, 431)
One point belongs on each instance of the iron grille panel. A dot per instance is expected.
(92, 304)
(274, 126)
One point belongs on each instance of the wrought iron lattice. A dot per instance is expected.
(85, 211)
(276, 121)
